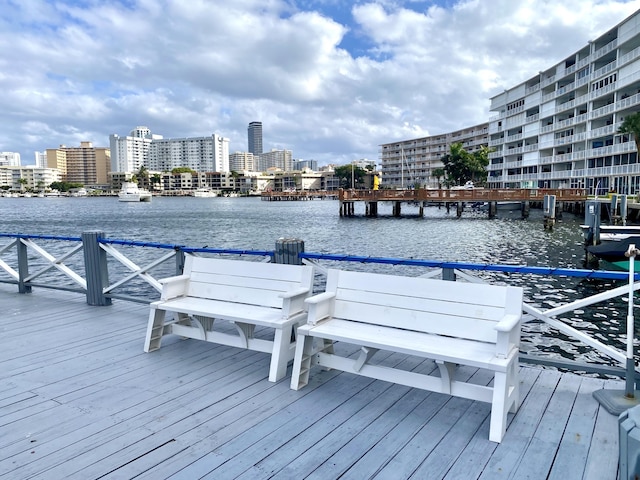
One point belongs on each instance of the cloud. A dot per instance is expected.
(329, 82)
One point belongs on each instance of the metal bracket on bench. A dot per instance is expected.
(365, 355)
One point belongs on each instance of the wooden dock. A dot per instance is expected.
(80, 400)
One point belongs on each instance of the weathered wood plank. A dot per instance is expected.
(81, 400)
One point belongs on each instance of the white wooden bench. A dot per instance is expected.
(246, 293)
(453, 323)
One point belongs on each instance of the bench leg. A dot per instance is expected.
(281, 353)
(499, 407)
(155, 329)
(302, 362)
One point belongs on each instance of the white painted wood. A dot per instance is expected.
(248, 294)
(452, 323)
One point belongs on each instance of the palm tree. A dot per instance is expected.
(438, 173)
(631, 125)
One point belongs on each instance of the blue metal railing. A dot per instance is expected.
(177, 252)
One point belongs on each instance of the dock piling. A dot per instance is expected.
(96, 271)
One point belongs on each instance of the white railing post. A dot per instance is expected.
(614, 401)
(96, 271)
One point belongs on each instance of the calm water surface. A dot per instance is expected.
(253, 224)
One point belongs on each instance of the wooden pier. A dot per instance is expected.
(81, 400)
(453, 197)
(299, 195)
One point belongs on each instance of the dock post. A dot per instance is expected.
(525, 207)
(549, 209)
(96, 271)
(397, 209)
(623, 209)
(459, 209)
(23, 267)
(493, 209)
(592, 220)
(287, 250)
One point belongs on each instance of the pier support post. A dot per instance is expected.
(23, 267)
(287, 250)
(525, 207)
(459, 209)
(493, 209)
(549, 209)
(397, 209)
(96, 271)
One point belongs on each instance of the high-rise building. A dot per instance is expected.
(86, 164)
(410, 163)
(130, 153)
(9, 159)
(275, 160)
(202, 154)
(255, 137)
(242, 162)
(560, 128)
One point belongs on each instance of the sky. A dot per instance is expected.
(330, 80)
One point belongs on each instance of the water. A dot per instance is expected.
(253, 224)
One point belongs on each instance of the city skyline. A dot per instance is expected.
(332, 80)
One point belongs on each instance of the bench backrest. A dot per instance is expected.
(457, 309)
(241, 281)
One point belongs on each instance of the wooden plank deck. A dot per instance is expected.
(80, 400)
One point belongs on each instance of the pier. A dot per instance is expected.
(299, 195)
(457, 198)
(82, 399)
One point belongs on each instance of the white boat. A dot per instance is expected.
(614, 232)
(204, 192)
(130, 192)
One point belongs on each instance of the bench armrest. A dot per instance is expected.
(508, 323)
(508, 330)
(320, 307)
(173, 287)
(293, 301)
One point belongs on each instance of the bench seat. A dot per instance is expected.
(452, 323)
(245, 294)
(436, 347)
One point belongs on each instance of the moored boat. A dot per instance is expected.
(203, 193)
(130, 192)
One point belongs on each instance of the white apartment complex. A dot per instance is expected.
(142, 148)
(410, 163)
(28, 177)
(275, 160)
(9, 159)
(242, 162)
(559, 129)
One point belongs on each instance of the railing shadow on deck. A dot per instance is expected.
(42, 261)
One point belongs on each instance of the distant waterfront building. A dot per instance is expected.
(410, 163)
(202, 154)
(29, 177)
(41, 159)
(86, 164)
(130, 153)
(275, 160)
(242, 162)
(9, 159)
(254, 134)
(302, 164)
(559, 128)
